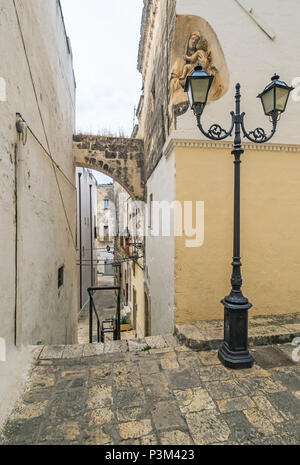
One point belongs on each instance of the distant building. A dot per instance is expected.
(86, 238)
(106, 229)
(129, 253)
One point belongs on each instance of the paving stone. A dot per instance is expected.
(220, 390)
(207, 427)
(261, 385)
(188, 360)
(130, 398)
(267, 409)
(29, 411)
(209, 358)
(166, 414)
(99, 397)
(169, 361)
(148, 367)
(96, 437)
(289, 378)
(68, 431)
(73, 351)
(36, 351)
(90, 350)
(52, 352)
(154, 378)
(287, 404)
(18, 432)
(242, 431)
(149, 440)
(100, 373)
(235, 404)
(296, 394)
(171, 340)
(156, 342)
(125, 368)
(182, 379)
(125, 381)
(135, 429)
(260, 422)
(157, 392)
(99, 417)
(127, 414)
(175, 438)
(255, 372)
(42, 377)
(115, 346)
(218, 373)
(136, 345)
(194, 400)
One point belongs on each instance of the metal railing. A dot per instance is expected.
(93, 310)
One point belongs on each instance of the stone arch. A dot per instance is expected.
(118, 157)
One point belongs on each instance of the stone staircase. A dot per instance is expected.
(146, 344)
(198, 336)
(263, 330)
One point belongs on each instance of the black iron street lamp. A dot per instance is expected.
(234, 352)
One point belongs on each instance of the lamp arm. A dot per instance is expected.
(215, 132)
(259, 135)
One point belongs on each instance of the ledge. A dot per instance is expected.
(190, 140)
(263, 330)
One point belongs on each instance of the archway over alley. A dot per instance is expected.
(118, 157)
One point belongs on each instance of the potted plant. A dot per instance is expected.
(124, 324)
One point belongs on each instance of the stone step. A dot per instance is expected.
(151, 343)
(263, 330)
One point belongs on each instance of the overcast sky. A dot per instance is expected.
(105, 37)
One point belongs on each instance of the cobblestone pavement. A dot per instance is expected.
(161, 396)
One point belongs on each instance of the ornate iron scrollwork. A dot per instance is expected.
(259, 135)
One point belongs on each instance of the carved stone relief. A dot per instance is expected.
(195, 43)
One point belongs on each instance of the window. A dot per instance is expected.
(106, 203)
(106, 233)
(61, 277)
(150, 211)
(153, 96)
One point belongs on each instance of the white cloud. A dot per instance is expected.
(105, 37)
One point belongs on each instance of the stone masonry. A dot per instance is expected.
(167, 395)
(118, 157)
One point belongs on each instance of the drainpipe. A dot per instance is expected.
(80, 240)
(91, 232)
(19, 193)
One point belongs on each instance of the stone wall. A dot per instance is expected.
(37, 199)
(118, 157)
(154, 63)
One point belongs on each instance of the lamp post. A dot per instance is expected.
(234, 352)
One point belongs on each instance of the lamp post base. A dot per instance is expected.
(234, 351)
(236, 360)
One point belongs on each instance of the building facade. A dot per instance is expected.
(106, 224)
(38, 293)
(87, 233)
(129, 254)
(186, 276)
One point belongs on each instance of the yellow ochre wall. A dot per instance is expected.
(270, 231)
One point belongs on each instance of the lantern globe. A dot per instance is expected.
(197, 86)
(275, 96)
